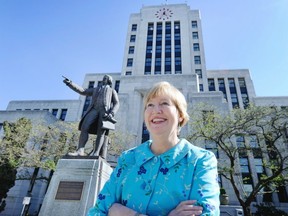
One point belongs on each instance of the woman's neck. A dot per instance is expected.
(160, 145)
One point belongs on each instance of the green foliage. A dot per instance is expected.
(12, 146)
(119, 142)
(7, 180)
(266, 125)
(266, 209)
(28, 145)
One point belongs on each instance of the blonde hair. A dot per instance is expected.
(165, 88)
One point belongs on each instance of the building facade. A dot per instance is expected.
(163, 43)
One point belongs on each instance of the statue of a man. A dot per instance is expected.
(104, 105)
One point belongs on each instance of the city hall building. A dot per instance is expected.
(163, 43)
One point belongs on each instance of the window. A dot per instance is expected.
(177, 36)
(150, 28)
(234, 100)
(117, 85)
(167, 65)
(242, 82)
(195, 35)
(131, 50)
(1, 125)
(159, 26)
(253, 141)
(240, 141)
(197, 60)
(167, 48)
(245, 99)
(199, 73)
(168, 27)
(132, 38)
(194, 24)
(211, 84)
(258, 165)
(244, 93)
(63, 114)
(149, 49)
(221, 84)
(54, 112)
(147, 69)
(242, 151)
(134, 27)
(234, 97)
(158, 49)
(168, 37)
(178, 48)
(177, 25)
(129, 62)
(178, 66)
(157, 66)
(91, 84)
(149, 38)
(231, 83)
(128, 73)
(201, 89)
(168, 61)
(148, 62)
(158, 62)
(196, 47)
(244, 165)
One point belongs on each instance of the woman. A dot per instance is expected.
(165, 175)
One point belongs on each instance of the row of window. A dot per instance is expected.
(54, 112)
(244, 143)
(232, 89)
(167, 47)
(257, 159)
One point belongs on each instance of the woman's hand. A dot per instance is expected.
(186, 208)
(119, 210)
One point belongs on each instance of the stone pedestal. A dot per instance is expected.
(74, 186)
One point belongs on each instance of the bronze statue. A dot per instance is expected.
(99, 118)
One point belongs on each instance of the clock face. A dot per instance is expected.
(164, 14)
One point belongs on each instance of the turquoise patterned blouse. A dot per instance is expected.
(155, 185)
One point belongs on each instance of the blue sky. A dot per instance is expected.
(42, 40)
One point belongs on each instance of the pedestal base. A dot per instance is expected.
(74, 186)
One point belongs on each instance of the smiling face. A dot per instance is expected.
(161, 116)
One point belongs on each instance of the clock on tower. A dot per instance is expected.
(164, 13)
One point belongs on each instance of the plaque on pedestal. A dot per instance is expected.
(74, 186)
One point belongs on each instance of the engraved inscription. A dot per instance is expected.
(69, 190)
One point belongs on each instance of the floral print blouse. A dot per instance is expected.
(155, 184)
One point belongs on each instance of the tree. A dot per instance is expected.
(255, 132)
(268, 209)
(30, 146)
(26, 145)
(12, 145)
